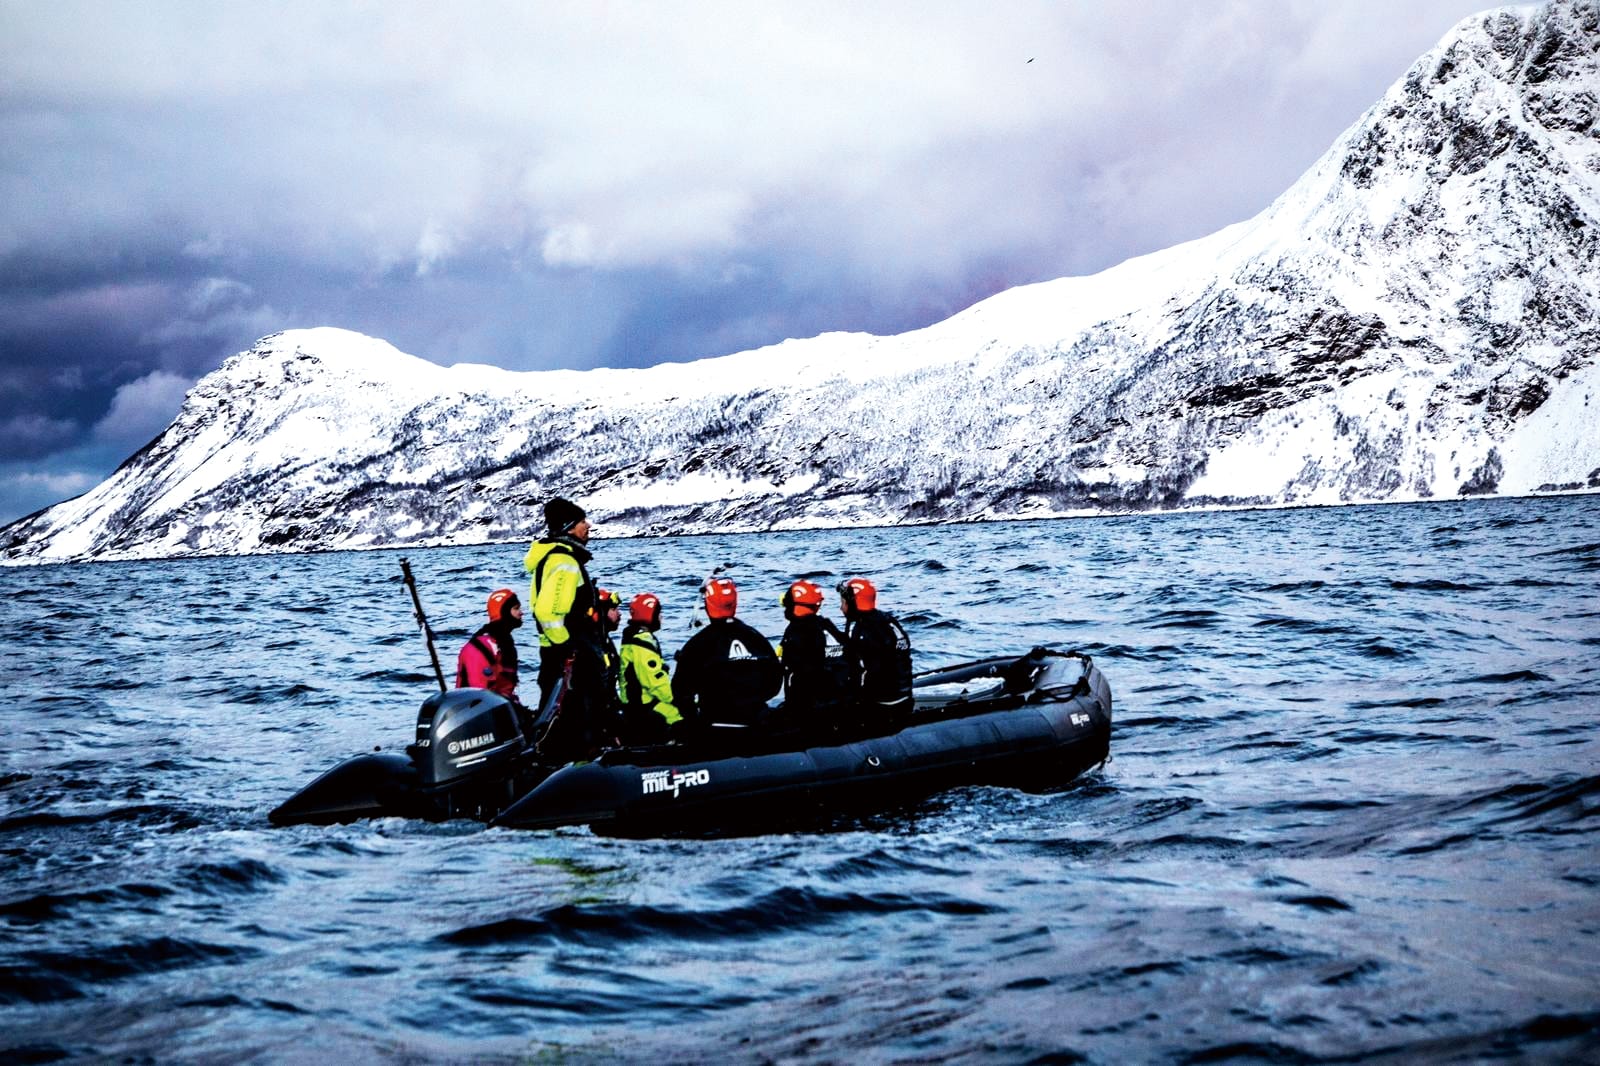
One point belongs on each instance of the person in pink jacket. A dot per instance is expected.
(489, 659)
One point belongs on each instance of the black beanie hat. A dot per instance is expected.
(561, 515)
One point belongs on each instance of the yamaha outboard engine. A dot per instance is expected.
(467, 751)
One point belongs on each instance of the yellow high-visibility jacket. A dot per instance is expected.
(644, 681)
(560, 593)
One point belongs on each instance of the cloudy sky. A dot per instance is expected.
(572, 184)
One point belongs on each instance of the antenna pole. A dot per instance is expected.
(422, 620)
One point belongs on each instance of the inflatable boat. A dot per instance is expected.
(1033, 722)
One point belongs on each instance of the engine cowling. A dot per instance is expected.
(462, 734)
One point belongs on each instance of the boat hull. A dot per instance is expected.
(1035, 746)
(1033, 722)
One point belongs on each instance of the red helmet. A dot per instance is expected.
(858, 594)
(500, 602)
(645, 609)
(803, 598)
(722, 597)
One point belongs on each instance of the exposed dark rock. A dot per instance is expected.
(1485, 479)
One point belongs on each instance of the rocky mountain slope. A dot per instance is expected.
(1418, 317)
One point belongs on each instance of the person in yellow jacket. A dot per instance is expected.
(648, 714)
(571, 661)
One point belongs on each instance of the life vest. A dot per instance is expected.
(880, 657)
(486, 662)
(817, 674)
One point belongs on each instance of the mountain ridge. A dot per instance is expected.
(1415, 318)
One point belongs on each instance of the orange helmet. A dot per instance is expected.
(646, 610)
(722, 597)
(858, 594)
(500, 603)
(801, 599)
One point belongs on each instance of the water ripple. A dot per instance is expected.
(1342, 737)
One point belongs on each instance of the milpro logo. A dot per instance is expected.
(672, 780)
(1080, 719)
(459, 747)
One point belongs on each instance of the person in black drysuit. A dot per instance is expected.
(607, 703)
(816, 674)
(879, 656)
(726, 673)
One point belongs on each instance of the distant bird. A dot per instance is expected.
(1030, 60)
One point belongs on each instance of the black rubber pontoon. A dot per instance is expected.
(1033, 722)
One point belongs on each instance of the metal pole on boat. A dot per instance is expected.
(422, 620)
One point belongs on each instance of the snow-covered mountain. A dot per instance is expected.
(1417, 317)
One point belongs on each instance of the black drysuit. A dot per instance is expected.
(725, 674)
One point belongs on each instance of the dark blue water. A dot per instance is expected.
(1353, 811)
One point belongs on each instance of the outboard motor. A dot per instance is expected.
(467, 749)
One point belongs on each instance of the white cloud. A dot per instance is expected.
(433, 246)
(57, 486)
(402, 167)
(640, 133)
(207, 294)
(143, 408)
(220, 309)
(207, 247)
(570, 244)
(25, 489)
(34, 434)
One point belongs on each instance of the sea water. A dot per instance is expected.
(1352, 810)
